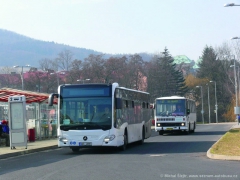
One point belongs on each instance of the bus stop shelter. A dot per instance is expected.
(39, 116)
(31, 97)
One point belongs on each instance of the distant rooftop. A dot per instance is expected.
(199, 60)
(196, 65)
(182, 59)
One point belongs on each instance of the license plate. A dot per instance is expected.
(85, 144)
(169, 129)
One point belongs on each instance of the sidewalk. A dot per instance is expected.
(39, 145)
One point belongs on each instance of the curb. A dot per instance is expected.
(27, 151)
(221, 157)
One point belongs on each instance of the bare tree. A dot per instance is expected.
(93, 68)
(75, 72)
(49, 68)
(64, 60)
(9, 78)
(136, 73)
(115, 69)
(48, 65)
(236, 47)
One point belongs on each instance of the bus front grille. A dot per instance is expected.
(170, 124)
(165, 119)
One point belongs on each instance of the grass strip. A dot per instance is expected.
(229, 144)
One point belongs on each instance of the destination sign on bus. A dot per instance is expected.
(86, 91)
(170, 101)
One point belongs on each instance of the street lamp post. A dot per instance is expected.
(83, 80)
(235, 78)
(21, 74)
(216, 106)
(235, 38)
(202, 103)
(236, 66)
(238, 81)
(57, 74)
(209, 112)
(231, 4)
(237, 108)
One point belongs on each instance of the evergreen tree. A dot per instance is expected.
(212, 69)
(166, 79)
(208, 67)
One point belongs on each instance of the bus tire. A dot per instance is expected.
(188, 131)
(75, 149)
(143, 136)
(125, 142)
(161, 132)
(194, 127)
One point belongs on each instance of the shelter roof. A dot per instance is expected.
(31, 97)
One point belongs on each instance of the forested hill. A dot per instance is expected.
(16, 49)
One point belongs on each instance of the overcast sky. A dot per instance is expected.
(185, 27)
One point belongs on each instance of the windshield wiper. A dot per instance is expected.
(81, 126)
(73, 126)
(96, 124)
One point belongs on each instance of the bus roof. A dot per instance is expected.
(115, 85)
(134, 90)
(172, 97)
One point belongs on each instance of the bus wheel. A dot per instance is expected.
(160, 132)
(194, 127)
(188, 131)
(75, 149)
(124, 146)
(143, 136)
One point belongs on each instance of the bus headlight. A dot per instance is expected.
(183, 124)
(62, 139)
(109, 138)
(158, 124)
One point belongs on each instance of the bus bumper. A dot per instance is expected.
(117, 141)
(173, 128)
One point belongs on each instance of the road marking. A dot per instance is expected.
(157, 155)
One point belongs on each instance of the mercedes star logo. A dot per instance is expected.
(85, 138)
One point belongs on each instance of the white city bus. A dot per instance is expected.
(169, 118)
(81, 109)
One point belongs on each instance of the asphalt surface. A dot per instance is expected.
(42, 145)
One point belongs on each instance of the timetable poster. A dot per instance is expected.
(17, 119)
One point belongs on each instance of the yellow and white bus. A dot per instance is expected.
(82, 121)
(174, 113)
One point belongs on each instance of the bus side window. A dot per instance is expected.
(119, 103)
(126, 104)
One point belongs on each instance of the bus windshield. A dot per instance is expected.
(85, 113)
(171, 107)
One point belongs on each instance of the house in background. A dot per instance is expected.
(186, 65)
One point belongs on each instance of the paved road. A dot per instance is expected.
(172, 156)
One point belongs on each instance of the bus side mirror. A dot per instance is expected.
(188, 111)
(51, 98)
(118, 103)
(152, 106)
